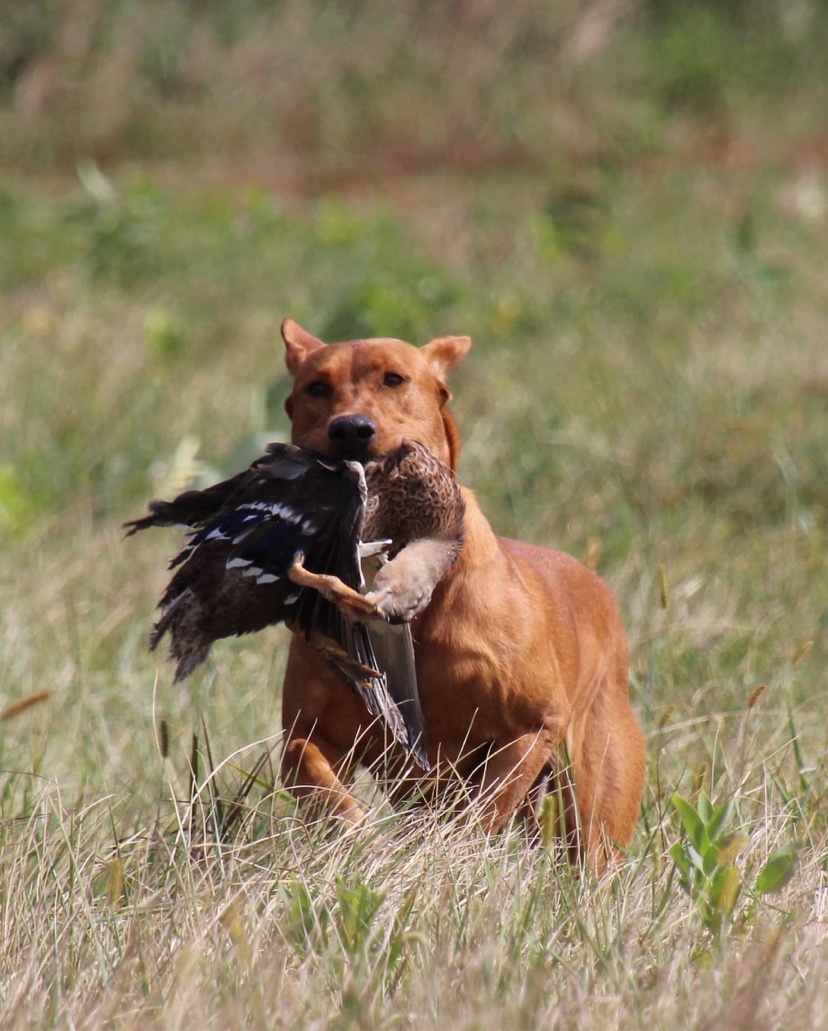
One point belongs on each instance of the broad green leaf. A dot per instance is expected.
(725, 890)
(697, 861)
(717, 820)
(729, 848)
(679, 856)
(358, 903)
(691, 820)
(778, 870)
(710, 860)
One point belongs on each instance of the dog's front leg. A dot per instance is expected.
(509, 772)
(308, 774)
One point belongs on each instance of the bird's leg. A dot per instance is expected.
(350, 603)
(345, 663)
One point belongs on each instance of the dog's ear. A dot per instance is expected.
(442, 354)
(299, 344)
(452, 438)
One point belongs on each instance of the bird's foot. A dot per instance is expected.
(353, 605)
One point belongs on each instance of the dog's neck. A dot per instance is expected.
(479, 542)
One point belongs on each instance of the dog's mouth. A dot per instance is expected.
(356, 441)
(365, 453)
(362, 453)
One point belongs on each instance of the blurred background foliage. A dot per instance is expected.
(623, 202)
(358, 88)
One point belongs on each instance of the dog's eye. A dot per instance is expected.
(392, 379)
(318, 388)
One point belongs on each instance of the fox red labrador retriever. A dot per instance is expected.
(521, 657)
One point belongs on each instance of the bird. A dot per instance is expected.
(285, 541)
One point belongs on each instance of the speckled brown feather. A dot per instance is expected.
(412, 495)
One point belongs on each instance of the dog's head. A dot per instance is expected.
(362, 398)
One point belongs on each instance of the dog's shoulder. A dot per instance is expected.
(565, 576)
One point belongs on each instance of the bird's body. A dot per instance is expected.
(412, 496)
(262, 542)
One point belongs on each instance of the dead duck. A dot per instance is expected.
(283, 541)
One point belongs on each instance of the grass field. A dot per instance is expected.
(626, 207)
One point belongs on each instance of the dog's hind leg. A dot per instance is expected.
(607, 752)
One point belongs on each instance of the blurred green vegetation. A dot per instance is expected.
(349, 90)
(651, 326)
(624, 205)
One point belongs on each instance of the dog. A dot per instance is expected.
(521, 658)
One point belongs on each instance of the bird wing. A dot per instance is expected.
(231, 576)
(195, 508)
(394, 650)
(244, 534)
(352, 654)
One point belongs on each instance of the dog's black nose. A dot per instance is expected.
(351, 435)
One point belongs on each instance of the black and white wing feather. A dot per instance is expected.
(231, 577)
